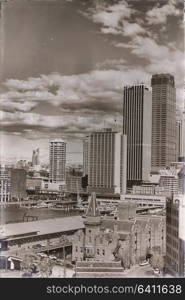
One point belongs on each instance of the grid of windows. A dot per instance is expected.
(137, 105)
(57, 158)
(164, 146)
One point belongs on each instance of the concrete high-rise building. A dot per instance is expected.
(169, 180)
(36, 157)
(33, 158)
(57, 159)
(5, 192)
(181, 176)
(18, 184)
(175, 236)
(137, 122)
(107, 162)
(85, 155)
(183, 136)
(179, 134)
(182, 235)
(163, 121)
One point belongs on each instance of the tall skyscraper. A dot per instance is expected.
(5, 184)
(36, 157)
(57, 158)
(18, 184)
(179, 134)
(163, 121)
(107, 162)
(85, 156)
(183, 135)
(137, 115)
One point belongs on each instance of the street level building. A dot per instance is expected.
(149, 200)
(169, 180)
(175, 236)
(20, 237)
(130, 239)
(148, 189)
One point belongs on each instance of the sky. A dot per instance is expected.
(64, 64)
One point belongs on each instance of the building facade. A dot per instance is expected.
(172, 237)
(18, 184)
(74, 182)
(148, 189)
(137, 116)
(85, 156)
(170, 183)
(181, 176)
(163, 121)
(5, 184)
(107, 162)
(130, 239)
(183, 136)
(36, 157)
(182, 235)
(147, 200)
(179, 134)
(57, 160)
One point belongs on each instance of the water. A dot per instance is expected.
(14, 213)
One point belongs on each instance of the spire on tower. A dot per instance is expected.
(92, 210)
(93, 217)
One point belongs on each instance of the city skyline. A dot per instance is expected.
(92, 139)
(69, 79)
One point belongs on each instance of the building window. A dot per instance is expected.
(103, 252)
(76, 249)
(98, 251)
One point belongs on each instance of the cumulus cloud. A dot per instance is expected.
(102, 85)
(83, 101)
(115, 19)
(125, 19)
(159, 14)
(160, 58)
(29, 123)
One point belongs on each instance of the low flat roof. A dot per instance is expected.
(43, 227)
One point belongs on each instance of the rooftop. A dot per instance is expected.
(43, 227)
(57, 141)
